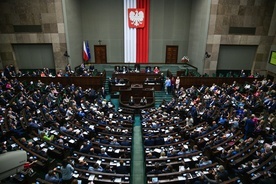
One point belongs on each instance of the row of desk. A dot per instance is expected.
(156, 81)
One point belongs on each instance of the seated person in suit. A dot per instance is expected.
(156, 70)
(91, 67)
(103, 153)
(150, 80)
(114, 80)
(147, 80)
(117, 69)
(52, 176)
(148, 69)
(125, 69)
(122, 81)
(137, 67)
(131, 101)
(204, 161)
(143, 101)
(121, 169)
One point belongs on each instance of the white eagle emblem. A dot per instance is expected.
(136, 17)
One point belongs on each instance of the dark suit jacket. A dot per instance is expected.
(122, 170)
(149, 142)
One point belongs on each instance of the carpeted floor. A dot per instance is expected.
(138, 175)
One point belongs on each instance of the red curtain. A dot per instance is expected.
(142, 49)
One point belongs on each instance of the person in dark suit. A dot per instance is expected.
(68, 69)
(122, 169)
(124, 142)
(268, 178)
(91, 67)
(7, 72)
(159, 140)
(249, 127)
(143, 101)
(103, 92)
(103, 153)
(244, 168)
(85, 148)
(156, 169)
(125, 69)
(137, 67)
(131, 101)
(148, 69)
(149, 141)
(105, 140)
(114, 80)
(117, 69)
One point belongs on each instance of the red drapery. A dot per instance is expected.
(142, 49)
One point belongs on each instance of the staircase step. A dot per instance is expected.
(160, 96)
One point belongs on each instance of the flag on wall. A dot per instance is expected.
(86, 51)
(136, 31)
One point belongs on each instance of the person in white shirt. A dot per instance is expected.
(66, 172)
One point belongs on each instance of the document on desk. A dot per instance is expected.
(199, 129)
(52, 131)
(189, 176)
(195, 158)
(118, 180)
(99, 162)
(75, 175)
(117, 151)
(187, 160)
(113, 163)
(72, 141)
(91, 127)
(35, 138)
(81, 158)
(77, 131)
(181, 168)
(206, 139)
(91, 177)
(157, 150)
(180, 178)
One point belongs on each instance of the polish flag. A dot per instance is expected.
(136, 31)
(86, 51)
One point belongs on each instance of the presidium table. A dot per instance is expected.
(147, 80)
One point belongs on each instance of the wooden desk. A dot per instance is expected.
(208, 81)
(136, 78)
(95, 82)
(117, 87)
(155, 86)
(138, 92)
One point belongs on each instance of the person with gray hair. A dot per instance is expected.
(219, 174)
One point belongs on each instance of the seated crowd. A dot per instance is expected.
(213, 124)
(203, 134)
(51, 121)
(82, 70)
(136, 69)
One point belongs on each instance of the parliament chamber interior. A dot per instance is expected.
(138, 91)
